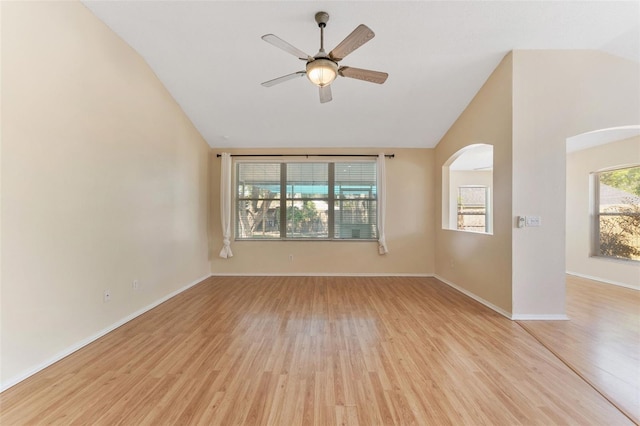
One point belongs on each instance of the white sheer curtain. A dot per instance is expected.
(225, 204)
(382, 199)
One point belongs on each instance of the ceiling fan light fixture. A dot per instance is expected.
(322, 71)
(323, 68)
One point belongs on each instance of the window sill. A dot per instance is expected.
(615, 259)
(467, 232)
(357, 240)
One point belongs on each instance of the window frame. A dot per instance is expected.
(283, 199)
(596, 214)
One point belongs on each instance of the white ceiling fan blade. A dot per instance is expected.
(361, 74)
(325, 94)
(284, 78)
(357, 38)
(278, 42)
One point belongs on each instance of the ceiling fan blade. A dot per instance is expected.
(278, 42)
(325, 94)
(283, 78)
(366, 75)
(357, 38)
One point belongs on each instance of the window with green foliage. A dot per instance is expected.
(617, 213)
(306, 200)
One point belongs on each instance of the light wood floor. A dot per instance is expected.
(313, 350)
(601, 342)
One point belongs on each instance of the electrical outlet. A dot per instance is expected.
(135, 285)
(290, 258)
(106, 296)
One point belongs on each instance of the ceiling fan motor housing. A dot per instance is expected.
(322, 18)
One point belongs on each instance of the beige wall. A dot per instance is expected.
(478, 263)
(104, 180)
(579, 166)
(527, 109)
(409, 227)
(556, 95)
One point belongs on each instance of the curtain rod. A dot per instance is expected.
(307, 155)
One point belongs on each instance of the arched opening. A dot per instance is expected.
(467, 190)
(602, 204)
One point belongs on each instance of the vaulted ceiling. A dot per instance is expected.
(210, 56)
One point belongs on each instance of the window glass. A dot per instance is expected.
(618, 213)
(355, 200)
(472, 208)
(306, 200)
(257, 201)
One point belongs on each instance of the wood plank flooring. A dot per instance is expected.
(312, 351)
(601, 341)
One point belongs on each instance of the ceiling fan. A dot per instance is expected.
(322, 69)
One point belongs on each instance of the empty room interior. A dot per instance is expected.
(438, 223)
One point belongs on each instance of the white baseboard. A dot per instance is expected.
(542, 317)
(68, 351)
(514, 317)
(475, 297)
(603, 280)
(316, 274)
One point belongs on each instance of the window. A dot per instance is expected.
(617, 213)
(306, 200)
(472, 208)
(355, 206)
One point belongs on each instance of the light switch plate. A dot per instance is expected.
(533, 221)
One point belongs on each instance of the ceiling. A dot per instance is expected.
(210, 57)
